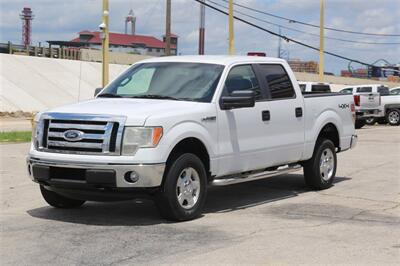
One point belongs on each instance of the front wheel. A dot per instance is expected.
(320, 170)
(184, 189)
(393, 117)
(59, 201)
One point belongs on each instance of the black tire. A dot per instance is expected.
(359, 124)
(58, 201)
(382, 121)
(313, 176)
(167, 197)
(393, 117)
(370, 121)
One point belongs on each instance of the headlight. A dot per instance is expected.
(140, 137)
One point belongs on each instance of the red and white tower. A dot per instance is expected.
(26, 17)
(130, 19)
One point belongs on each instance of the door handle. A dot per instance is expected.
(266, 116)
(299, 112)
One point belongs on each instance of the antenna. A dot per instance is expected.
(130, 19)
(26, 17)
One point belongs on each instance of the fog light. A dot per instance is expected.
(132, 177)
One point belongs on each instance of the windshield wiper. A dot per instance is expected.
(109, 95)
(154, 96)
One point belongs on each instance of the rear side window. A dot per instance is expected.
(278, 81)
(383, 90)
(364, 89)
(320, 88)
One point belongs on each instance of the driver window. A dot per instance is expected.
(138, 83)
(242, 78)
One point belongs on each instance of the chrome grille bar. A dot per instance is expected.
(77, 126)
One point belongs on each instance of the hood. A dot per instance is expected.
(135, 110)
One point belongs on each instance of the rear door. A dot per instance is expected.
(285, 134)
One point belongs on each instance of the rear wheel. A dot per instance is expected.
(359, 124)
(184, 190)
(59, 201)
(393, 117)
(320, 170)
(370, 121)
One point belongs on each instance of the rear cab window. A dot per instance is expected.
(278, 81)
(320, 88)
(364, 89)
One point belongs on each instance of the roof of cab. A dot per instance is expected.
(214, 59)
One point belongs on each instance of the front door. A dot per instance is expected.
(242, 132)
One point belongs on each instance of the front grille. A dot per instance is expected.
(94, 134)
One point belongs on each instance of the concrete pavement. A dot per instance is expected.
(272, 221)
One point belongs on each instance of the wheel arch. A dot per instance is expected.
(330, 131)
(191, 145)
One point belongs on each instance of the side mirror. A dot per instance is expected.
(238, 99)
(97, 91)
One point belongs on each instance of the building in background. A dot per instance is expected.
(123, 43)
(298, 65)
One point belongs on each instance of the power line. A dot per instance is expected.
(304, 32)
(313, 25)
(282, 36)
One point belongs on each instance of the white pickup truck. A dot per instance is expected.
(367, 99)
(170, 127)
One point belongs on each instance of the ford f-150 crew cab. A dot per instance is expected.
(170, 127)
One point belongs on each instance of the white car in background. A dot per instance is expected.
(395, 91)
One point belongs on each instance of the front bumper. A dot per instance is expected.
(84, 175)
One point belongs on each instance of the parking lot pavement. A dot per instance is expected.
(271, 221)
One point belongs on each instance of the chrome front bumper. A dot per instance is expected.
(353, 142)
(150, 175)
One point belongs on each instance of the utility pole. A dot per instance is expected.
(279, 43)
(321, 42)
(168, 29)
(231, 34)
(202, 27)
(105, 43)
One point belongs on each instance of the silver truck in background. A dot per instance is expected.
(367, 101)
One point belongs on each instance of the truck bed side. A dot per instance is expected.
(323, 109)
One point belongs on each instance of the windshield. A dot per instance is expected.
(166, 80)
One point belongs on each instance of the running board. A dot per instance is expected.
(261, 175)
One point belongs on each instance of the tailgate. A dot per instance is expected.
(369, 100)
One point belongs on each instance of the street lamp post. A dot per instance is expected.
(105, 43)
(321, 42)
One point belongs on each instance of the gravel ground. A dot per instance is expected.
(272, 221)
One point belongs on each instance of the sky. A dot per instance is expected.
(62, 20)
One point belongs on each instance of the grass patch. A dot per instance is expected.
(15, 136)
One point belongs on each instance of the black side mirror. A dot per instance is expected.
(238, 99)
(97, 91)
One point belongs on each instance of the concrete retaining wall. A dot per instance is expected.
(31, 84)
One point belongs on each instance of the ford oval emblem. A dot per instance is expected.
(73, 135)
